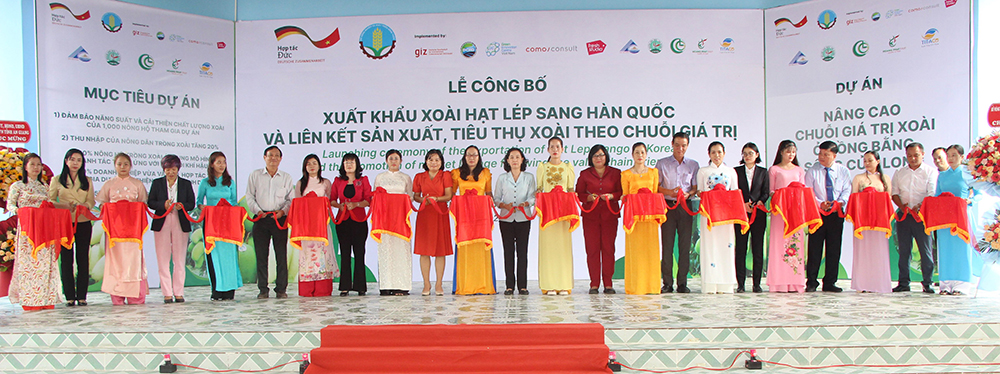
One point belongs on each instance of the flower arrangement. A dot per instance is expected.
(8, 232)
(990, 242)
(11, 160)
(984, 159)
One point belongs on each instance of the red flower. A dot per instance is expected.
(996, 177)
(790, 252)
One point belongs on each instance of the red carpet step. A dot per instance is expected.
(515, 348)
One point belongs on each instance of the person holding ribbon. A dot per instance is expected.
(512, 190)
(351, 193)
(955, 254)
(785, 270)
(555, 244)
(318, 260)
(642, 213)
(269, 198)
(755, 184)
(599, 188)
(223, 260)
(870, 191)
(171, 231)
(831, 183)
(910, 185)
(474, 257)
(395, 256)
(718, 273)
(74, 188)
(432, 237)
(124, 263)
(35, 281)
(677, 178)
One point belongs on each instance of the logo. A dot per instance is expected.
(828, 53)
(282, 32)
(860, 48)
(468, 49)
(949, 3)
(206, 70)
(377, 41)
(893, 13)
(701, 48)
(593, 47)
(492, 49)
(799, 59)
(80, 54)
(930, 38)
(177, 38)
(876, 16)
(111, 22)
(146, 61)
(630, 47)
(993, 115)
(176, 64)
(555, 49)
(56, 6)
(892, 40)
(827, 19)
(799, 24)
(727, 46)
(677, 45)
(113, 57)
(655, 46)
(221, 45)
(701, 44)
(495, 48)
(160, 35)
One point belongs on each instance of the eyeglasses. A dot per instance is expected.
(600, 155)
(745, 154)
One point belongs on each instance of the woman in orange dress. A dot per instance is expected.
(642, 245)
(473, 261)
(432, 236)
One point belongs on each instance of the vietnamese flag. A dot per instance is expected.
(330, 40)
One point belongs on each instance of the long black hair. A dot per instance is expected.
(305, 174)
(463, 168)
(357, 170)
(226, 178)
(785, 144)
(81, 175)
(24, 167)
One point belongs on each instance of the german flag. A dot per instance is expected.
(82, 17)
(786, 20)
(330, 40)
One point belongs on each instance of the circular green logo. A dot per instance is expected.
(860, 48)
(113, 57)
(677, 45)
(146, 61)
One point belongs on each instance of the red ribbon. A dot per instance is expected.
(760, 207)
(682, 201)
(833, 208)
(594, 206)
(906, 210)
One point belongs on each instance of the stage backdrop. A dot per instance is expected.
(116, 77)
(498, 80)
(869, 75)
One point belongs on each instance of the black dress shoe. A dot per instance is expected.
(281, 295)
(71, 303)
(901, 288)
(594, 291)
(361, 293)
(667, 289)
(740, 290)
(832, 289)
(343, 293)
(523, 291)
(811, 289)
(264, 295)
(683, 289)
(928, 289)
(179, 299)
(509, 291)
(757, 289)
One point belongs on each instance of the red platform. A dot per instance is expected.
(515, 348)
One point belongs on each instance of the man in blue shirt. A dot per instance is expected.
(831, 183)
(677, 179)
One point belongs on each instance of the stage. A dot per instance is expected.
(671, 331)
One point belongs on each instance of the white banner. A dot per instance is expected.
(497, 80)
(117, 77)
(869, 75)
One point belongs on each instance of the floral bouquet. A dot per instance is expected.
(984, 159)
(8, 232)
(990, 242)
(11, 160)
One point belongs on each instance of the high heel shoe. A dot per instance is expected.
(71, 303)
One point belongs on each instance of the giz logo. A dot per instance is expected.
(420, 52)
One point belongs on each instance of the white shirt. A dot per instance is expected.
(750, 170)
(913, 186)
(267, 194)
(172, 191)
(711, 175)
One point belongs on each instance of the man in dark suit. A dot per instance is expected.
(755, 184)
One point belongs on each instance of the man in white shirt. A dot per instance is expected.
(910, 185)
(269, 195)
(831, 183)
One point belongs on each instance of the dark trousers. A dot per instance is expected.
(678, 223)
(352, 236)
(829, 236)
(906, 232)
(757, 232)
(77, 289)
(266, 232)
(224, 295)
(515, 240)
(599, 237)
